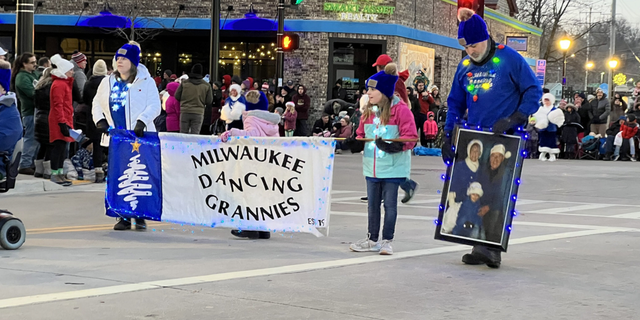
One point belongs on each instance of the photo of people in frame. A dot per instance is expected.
(477, 200)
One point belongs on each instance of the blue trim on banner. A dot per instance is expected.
(134, 182)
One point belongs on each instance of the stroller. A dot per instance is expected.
(12, 232)
(590, 148)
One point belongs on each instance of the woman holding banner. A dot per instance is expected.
(128, 99)
(386, 164)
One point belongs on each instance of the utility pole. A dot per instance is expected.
(612, 48)
(586, 72)
(24, 26)
(279, 51)
(214, 56)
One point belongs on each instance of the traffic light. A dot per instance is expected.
(476, 5)
(290, 42)
(296, 2)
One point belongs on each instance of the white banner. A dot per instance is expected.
(270, 184)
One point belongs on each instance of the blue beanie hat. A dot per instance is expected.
(5, 77)
(131, 52)
(385, 80)
(257, 100)
(472, 28)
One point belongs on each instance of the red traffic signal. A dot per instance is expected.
(476, 5)
(290, 42)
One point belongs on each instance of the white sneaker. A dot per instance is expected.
(365, 245)
(385, 248)
(543, 156)
(552, 157)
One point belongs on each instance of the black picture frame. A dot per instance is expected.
(499, 184)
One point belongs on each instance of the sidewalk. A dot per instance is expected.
(31, 184)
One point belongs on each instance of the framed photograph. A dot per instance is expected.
(480, 189)
(518, 43)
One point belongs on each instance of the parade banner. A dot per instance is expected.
(249, 183)
(480, 189)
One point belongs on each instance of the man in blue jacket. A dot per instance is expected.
(496, 88)
(10, 122)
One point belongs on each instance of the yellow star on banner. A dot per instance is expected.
(136, 146)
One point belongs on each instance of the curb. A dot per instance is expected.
(33, 185)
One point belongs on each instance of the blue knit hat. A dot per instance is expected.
(472, 28)
(385, 80)
(131, 52)
(257, 100)
(5, 76)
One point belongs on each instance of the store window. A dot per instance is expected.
(351, 61)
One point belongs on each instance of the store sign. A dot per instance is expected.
(518, 43)
(541, 70)
(359, 10)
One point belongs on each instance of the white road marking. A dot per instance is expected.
(571, 209)
(632, 215)
(515, 222)
(159, 284)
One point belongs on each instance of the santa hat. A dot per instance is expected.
(499, 148)
(265, 86)
(290, 103)
(475, 141)
(472, 28)
(550, 97)
(385, 80)
(475, 188)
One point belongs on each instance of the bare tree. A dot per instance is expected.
(139, 27)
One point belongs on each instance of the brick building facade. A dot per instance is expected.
(426, 23)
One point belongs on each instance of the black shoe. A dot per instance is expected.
(264, 234)
(364, 199)
(123, 224)
(489, 256)
(28, 171)
(409, 195)
(246, 234)
(140, 224)
(607, 157)
(471, 259)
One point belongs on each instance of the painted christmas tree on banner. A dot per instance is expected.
(130, 182)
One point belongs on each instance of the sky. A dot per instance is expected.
(628, 9)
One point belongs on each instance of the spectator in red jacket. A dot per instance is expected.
(628, 130)
(303, 104)
(60, 116)
(430, 128)
(290, 117)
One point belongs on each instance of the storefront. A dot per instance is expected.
(339, 39)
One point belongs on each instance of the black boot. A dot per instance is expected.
(141, 224)
(246, 234)
(264, 234)
(123, 224)
(492, 257)
(472, 259)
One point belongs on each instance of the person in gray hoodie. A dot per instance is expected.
(194, 95)
(600, 110)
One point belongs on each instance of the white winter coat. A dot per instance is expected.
(143, 101)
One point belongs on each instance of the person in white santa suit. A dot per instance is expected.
(547, 120)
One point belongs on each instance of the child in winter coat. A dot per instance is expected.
(532, 141)
(469, 223)
(548, 119)
(290, 117)
(386, 165)
(60, 116)
(570, 131)
(257, 123)
(628, 131)
(233, 108)
(173, 108)
(430, 128)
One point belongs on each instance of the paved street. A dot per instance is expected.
(572, 255)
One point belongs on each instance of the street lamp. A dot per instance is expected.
(565, 43)
(588, 66)
(613, 63)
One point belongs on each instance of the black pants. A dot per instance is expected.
(44, 153)
(98, 152)
(301, 128)
(58, 151)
